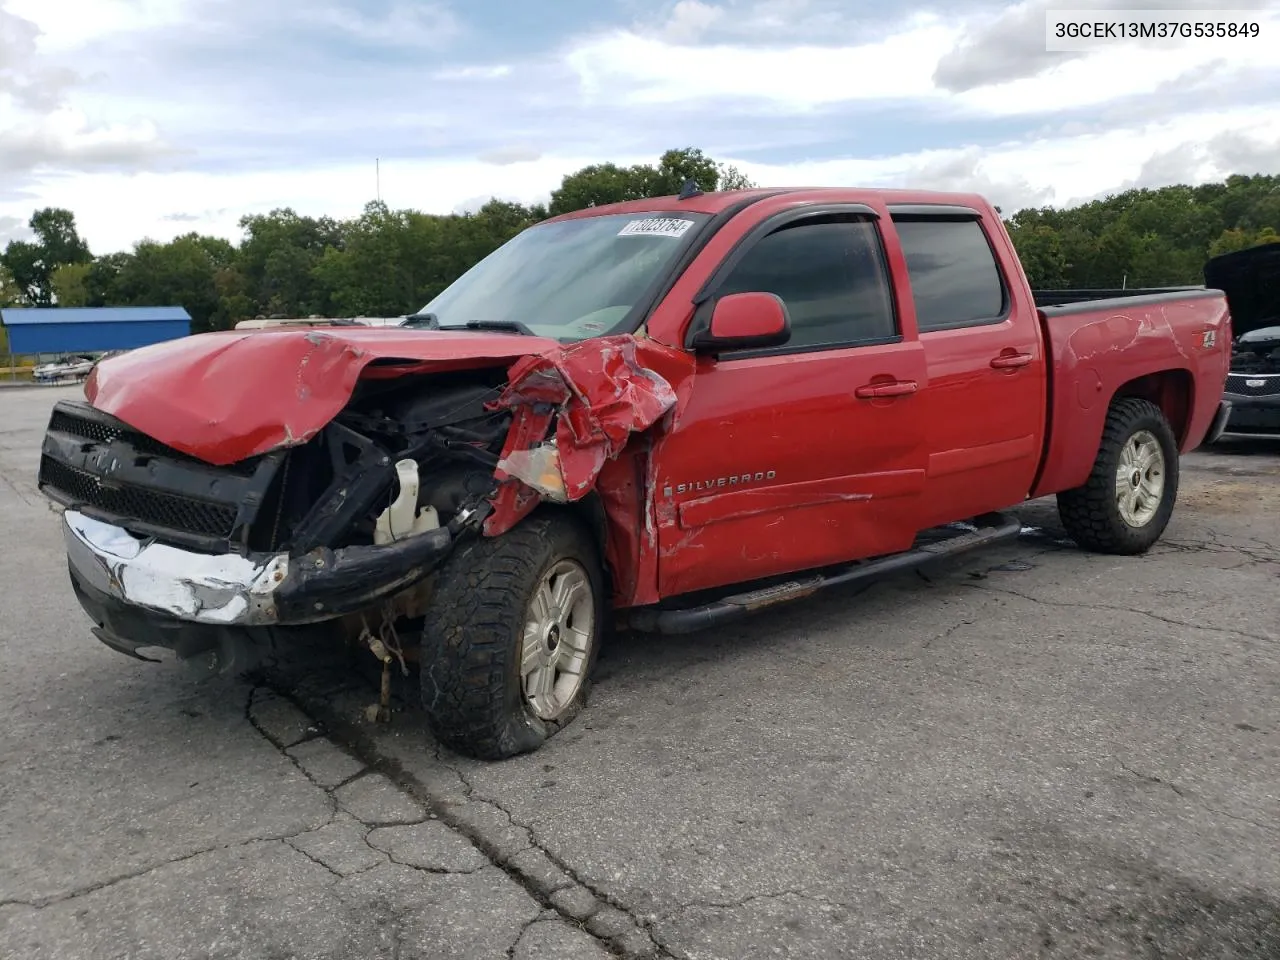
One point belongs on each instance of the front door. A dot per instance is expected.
(807, 454)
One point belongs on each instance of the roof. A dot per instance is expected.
(20, 316)
(720, 201)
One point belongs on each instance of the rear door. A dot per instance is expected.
(785, 458)
(984, 410)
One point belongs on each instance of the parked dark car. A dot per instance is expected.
(1251, 280)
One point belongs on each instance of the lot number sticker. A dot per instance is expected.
(656, 227)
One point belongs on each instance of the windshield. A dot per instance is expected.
(570, 280)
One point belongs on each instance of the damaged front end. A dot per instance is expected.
(167, 549)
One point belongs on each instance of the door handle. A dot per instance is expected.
(891, 388)
(1007, 361)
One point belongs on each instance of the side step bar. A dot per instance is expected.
(940, 543)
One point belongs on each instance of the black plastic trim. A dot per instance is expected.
(993, 528)
(1056, 298)
(353, 491)
(328, 583)
(1087, 306)
(933, 211)
(788, 351)
(1219, 423)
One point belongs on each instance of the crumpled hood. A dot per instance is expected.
(1251, 280)
(223, 397)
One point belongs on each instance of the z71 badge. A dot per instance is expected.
(1210, 338)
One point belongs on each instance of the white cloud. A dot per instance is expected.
(628, 67)
(636, 67)
(689, 20)
(514, 153)
(66, 140)
(495, 72)
(406, 24)
(13, 228)
(1194, 147)
(26, 82)
(39, 129)
(68, 24)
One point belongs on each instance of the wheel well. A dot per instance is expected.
(589, 511)
(1173, 391)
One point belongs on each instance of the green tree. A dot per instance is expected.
(279, 252)
(102, 286)
(32, 263)
(1238, 239)
(1041, 251)
(70, 284)
(180, 272)
(10, 292)
(604, 183)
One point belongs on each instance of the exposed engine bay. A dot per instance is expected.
(1257, 352)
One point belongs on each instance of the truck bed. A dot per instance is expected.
(1158, 342)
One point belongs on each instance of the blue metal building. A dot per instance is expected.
(36, 330)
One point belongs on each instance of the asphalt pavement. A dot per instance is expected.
(1033, 752)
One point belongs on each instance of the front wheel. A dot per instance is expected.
(511, 637)
(1128, 499)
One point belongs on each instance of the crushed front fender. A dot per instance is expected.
(598, 393)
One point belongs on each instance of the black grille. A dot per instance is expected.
(138, 503)
(1238, 383)
(105, 432)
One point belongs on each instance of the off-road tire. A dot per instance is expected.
(1090, 513)
(471, 641)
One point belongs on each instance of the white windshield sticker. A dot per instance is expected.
(656, 227)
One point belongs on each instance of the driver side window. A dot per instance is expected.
(831, 275)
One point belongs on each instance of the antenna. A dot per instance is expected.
(690, 190)
(377, 176)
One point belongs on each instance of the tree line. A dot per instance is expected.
(390, 262)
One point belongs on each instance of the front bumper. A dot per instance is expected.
(1252, 416)
(110, 566)
(199, 588)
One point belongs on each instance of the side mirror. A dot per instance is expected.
(744, 321)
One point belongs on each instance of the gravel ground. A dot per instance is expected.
(1034, 752)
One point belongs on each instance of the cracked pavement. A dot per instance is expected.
(1029, 752)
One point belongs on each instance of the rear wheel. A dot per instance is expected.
(512, 636)
(1128, 499)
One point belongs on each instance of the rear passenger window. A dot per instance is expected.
(832, 277)
(954, 278)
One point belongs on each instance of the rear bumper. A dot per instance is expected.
(1251, 416)
(111, 568)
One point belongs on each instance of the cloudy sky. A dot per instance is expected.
(157, 117)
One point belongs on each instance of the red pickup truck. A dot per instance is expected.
(678, 410)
